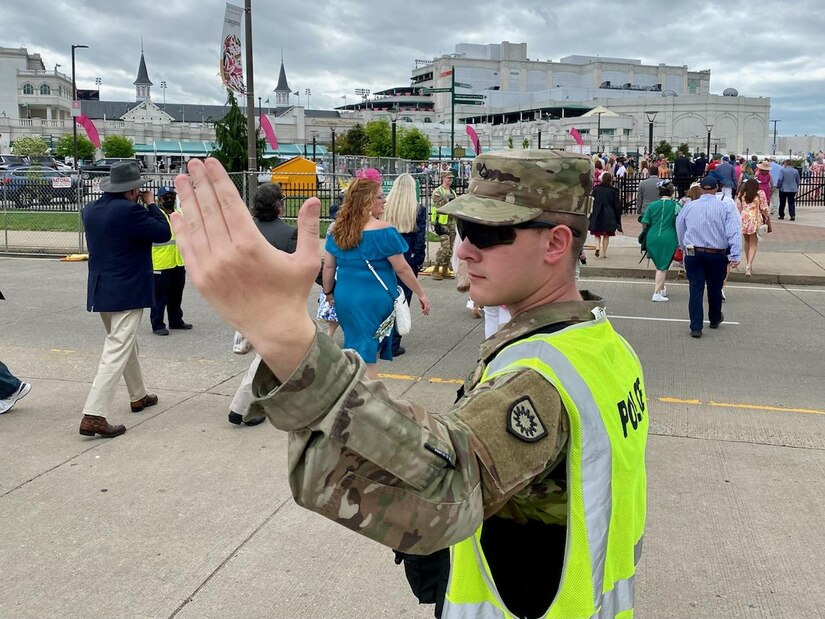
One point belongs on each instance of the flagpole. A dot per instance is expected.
(251, 146)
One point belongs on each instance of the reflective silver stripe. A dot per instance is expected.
(637, 551)
(597, 465)
(171, 242)
(485, 610)
(617, 600)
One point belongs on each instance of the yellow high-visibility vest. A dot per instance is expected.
(166, 255)
(599, 379)
(447, 195)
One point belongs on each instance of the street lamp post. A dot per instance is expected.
(774, 134)
(394, 118)
(98, 82)
(163, 90)
(74, 103)
(308, 92)
(651, 116)
(709, 128)
(599, 131)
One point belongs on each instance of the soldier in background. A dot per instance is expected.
(536, 470)
(443, 225)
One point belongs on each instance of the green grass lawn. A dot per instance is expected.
(40, 221)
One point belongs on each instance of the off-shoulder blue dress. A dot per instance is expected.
(360, 301)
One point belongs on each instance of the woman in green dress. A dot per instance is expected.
(661, 240)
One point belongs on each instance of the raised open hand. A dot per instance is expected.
(257, 289)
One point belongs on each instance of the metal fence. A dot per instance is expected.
(811, 190)
(44, 219)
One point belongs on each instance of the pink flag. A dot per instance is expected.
(474, 137)
(574, 133)
(269, 132)
(90, 128)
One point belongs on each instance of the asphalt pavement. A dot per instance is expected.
(188, 516)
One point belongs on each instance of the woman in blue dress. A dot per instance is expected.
(360, 300)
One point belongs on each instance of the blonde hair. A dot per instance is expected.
(355, 212)
(401, 208)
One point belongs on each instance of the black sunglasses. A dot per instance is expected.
(489, 236)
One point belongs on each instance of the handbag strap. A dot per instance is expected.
(380, 281)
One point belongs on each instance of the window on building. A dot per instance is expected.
(28, 89)
(45, 89)
(407, 119)
(427, 119)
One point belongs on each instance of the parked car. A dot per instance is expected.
(29, 186)
(50, 162)
(102, 166)
(10, 161)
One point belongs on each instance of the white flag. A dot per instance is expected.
(231, 50)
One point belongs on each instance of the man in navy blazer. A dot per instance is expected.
(120, 229)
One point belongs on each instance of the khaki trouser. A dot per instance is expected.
(445, 252)
(119, 358)
(243, 396)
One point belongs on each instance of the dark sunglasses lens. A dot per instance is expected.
(485, 236)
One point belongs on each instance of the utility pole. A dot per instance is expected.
(774, 134)
(452, 112)
(251, 146)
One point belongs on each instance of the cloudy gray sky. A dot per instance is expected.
(334, 46)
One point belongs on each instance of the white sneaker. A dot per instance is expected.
(664, 291)
(22, 392)
(659, 298)
(724, 298)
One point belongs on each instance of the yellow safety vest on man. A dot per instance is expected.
(599, 379)
(440, 197)
(166, 255)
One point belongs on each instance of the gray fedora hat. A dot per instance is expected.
(124, 176)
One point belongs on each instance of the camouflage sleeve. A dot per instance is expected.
(387, 469)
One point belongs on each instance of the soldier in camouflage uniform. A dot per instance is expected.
(443, 225)
(387, 469)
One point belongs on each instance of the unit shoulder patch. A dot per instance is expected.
(523, 421)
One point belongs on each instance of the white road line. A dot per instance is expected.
(727, 322)
(776, 287)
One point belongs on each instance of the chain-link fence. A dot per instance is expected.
(40, 211)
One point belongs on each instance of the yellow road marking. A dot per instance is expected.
(663, 399)
(753, 407)
(62, 350)
(415, 379)
(759, 407)
(668, 400)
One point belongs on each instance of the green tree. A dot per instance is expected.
(684, 147)
(117, 146)
(230, 138)
(65, 148)
(664, 149)
(525, 143)
(379, 138)
(510, 142)
(414, 145)
(353, 142)
(30, 147)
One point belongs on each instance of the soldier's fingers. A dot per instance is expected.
(189, 231)
(308, 250)
(214, 225)
(235, 214)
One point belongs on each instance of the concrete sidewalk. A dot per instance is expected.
(794, 253)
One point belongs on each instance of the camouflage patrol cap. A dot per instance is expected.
(515, 186)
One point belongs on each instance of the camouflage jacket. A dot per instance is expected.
(409, 479)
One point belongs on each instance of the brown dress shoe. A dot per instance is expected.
(149, 399)
(92, 424)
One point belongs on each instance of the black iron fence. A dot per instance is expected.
(811, 190)
(43, 215)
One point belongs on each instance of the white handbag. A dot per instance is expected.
(401, 310)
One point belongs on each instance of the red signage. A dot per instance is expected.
(446, 73)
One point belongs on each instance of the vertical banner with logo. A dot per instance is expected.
(231, 50)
